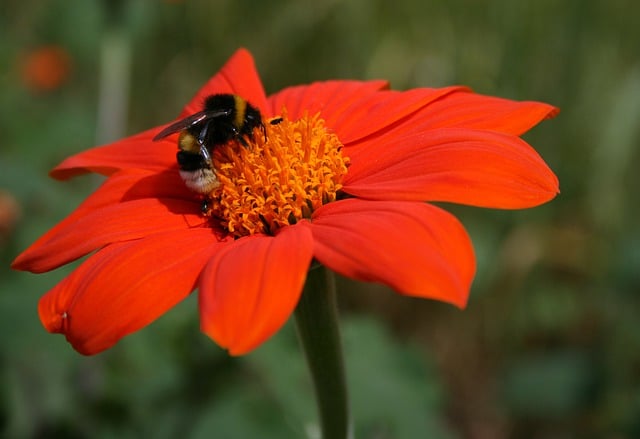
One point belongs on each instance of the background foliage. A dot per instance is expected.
(549, 346)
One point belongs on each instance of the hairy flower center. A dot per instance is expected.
(279, 178)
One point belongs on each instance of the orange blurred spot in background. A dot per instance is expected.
(10, 213)
(45, 68)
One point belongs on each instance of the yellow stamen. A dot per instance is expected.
(277, 182)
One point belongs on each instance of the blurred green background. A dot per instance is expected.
(549, 346)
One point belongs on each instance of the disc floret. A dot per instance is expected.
(279, 178)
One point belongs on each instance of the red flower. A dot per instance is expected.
(343, 179)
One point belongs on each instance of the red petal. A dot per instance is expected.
(249, 289)
(238, 76)
(382, 110)
(415, 248)
(76, 236)
(135, 184)
(465, 109)
(111, 214)
(331, 98)
(478, 168)
(124, 287)
(135, 152)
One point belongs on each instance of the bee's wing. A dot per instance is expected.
(188, 122)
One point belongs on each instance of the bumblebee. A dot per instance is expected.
(224, 118)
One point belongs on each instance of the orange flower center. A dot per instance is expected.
(279, 179)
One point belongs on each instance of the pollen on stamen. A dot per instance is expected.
(279, 178)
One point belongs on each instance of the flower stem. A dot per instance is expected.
(319, 334)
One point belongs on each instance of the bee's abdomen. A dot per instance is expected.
(190, 162)
(187, 142)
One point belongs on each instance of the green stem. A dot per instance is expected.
(319, 334)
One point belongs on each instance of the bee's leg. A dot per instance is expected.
(204, 152)
(203, 134)
(203, 149)
(205, 207)
(264, 131)
(240, 138)
(243, 142)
